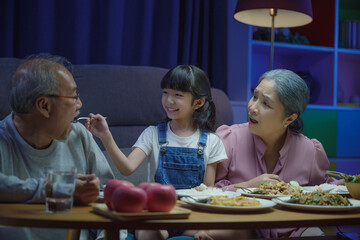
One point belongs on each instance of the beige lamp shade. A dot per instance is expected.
(274, 14)
(290, 13)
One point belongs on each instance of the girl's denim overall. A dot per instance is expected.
(180, 167)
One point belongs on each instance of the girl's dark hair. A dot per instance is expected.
(189, 78)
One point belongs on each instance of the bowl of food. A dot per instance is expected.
(354, 189)
(352, 182)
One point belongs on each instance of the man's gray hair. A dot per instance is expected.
(33, 78)
(293, 93)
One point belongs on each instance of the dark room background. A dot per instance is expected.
(165, 33)
(159, 33)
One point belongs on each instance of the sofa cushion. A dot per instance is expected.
(224, 113)
(8, 67)
(128, 95)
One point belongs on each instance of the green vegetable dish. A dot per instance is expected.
(352, 178)
(323, 198)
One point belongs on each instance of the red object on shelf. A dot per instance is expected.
(320, 31)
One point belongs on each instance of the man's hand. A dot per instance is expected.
(87, 189)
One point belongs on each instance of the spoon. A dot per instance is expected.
(248, 191)
(76, 119)
(334, 174)
(201, 200)
(347, 177)
(257, 191)
(290, 200)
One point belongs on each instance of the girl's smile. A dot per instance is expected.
(177, 104)
(171, 109)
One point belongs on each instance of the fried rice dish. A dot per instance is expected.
(239, 201)
(278, 188)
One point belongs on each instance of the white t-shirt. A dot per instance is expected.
(149, 143)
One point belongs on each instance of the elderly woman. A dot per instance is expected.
(269, 147)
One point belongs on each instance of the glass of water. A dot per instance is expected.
(59, 189)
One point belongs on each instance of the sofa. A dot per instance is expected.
(129, 96)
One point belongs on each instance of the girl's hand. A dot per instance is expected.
(98, 126)
(255, 182)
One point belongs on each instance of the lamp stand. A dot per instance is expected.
(273, 13)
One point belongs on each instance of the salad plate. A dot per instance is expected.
(317, 208)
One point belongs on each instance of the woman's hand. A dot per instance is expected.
(255, 182)
(341, 182)
(98, 126)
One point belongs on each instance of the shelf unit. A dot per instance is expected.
(330, 117)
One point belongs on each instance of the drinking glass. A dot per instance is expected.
(59, 189)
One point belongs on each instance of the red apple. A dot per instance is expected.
(145, 185)
(111, 185)
(161, 198)
(129, 199)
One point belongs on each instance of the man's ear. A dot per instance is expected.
(288, 120)
(198, 103)
(43, 106)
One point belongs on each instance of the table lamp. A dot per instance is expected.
(274, 13)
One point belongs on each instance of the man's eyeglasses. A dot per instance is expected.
(68, 97)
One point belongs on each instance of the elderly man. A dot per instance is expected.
(39, 134)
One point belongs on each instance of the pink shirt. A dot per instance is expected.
(301, 159)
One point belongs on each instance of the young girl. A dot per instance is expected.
(184, 151)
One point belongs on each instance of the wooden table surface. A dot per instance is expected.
(83, 217)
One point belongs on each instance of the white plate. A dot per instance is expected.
(355, 205)
(218, 208)
(206, 193)
(335, 189)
